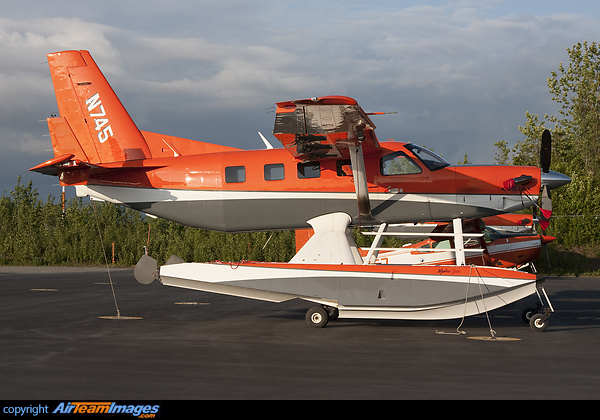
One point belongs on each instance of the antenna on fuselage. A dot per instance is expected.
(269, 146)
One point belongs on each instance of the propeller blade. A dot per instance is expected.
(545, 202)
(546, 151)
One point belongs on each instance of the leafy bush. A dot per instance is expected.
(33, 232)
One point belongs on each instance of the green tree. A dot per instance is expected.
(577, 89)
(575, 145)
(465, 161)
(24, 224)
(502, 154)
(37, 232)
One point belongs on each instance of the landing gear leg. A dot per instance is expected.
(539, 322)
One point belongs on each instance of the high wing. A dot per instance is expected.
(324, 127)
(330, 127)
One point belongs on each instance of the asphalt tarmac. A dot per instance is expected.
(198, 346)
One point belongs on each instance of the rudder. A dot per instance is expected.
(103, 130)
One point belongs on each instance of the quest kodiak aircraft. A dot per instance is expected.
(331, 162)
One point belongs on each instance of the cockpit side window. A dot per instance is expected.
(431, 160)
(398, 163)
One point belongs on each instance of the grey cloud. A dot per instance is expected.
(459, 77)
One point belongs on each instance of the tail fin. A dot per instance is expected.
(93, 126)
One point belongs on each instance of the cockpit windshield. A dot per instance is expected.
(429, 159)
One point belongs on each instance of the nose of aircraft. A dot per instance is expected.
(554, 179)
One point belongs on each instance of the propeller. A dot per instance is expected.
(545, 202)
(546, 151)
(549, 180)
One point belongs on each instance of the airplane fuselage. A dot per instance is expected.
(331, 162)
(269, 189)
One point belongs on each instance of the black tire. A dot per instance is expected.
(537, 324)
(527, 314)
(333, 312)
(317, 317)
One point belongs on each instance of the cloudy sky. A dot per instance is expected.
(460, 74)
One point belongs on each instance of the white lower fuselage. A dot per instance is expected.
(235, 211)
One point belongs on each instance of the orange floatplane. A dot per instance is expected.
(332, 164)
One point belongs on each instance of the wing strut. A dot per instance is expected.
(360, 180)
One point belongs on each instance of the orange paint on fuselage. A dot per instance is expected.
(207, 172)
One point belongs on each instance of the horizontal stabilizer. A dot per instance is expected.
(50, 167)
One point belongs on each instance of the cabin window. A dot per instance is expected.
(445, 244)
(429, 158)
(274, 172)
(309, 170)
(422, 248)
(235, 174)
(398, 163)
(491, 235)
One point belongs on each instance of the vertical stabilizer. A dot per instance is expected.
(93, 124)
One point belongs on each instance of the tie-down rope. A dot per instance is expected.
(458, 330)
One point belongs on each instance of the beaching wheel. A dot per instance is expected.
(539, 322)
(333, 312)
(317, 317)
(528, 313)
